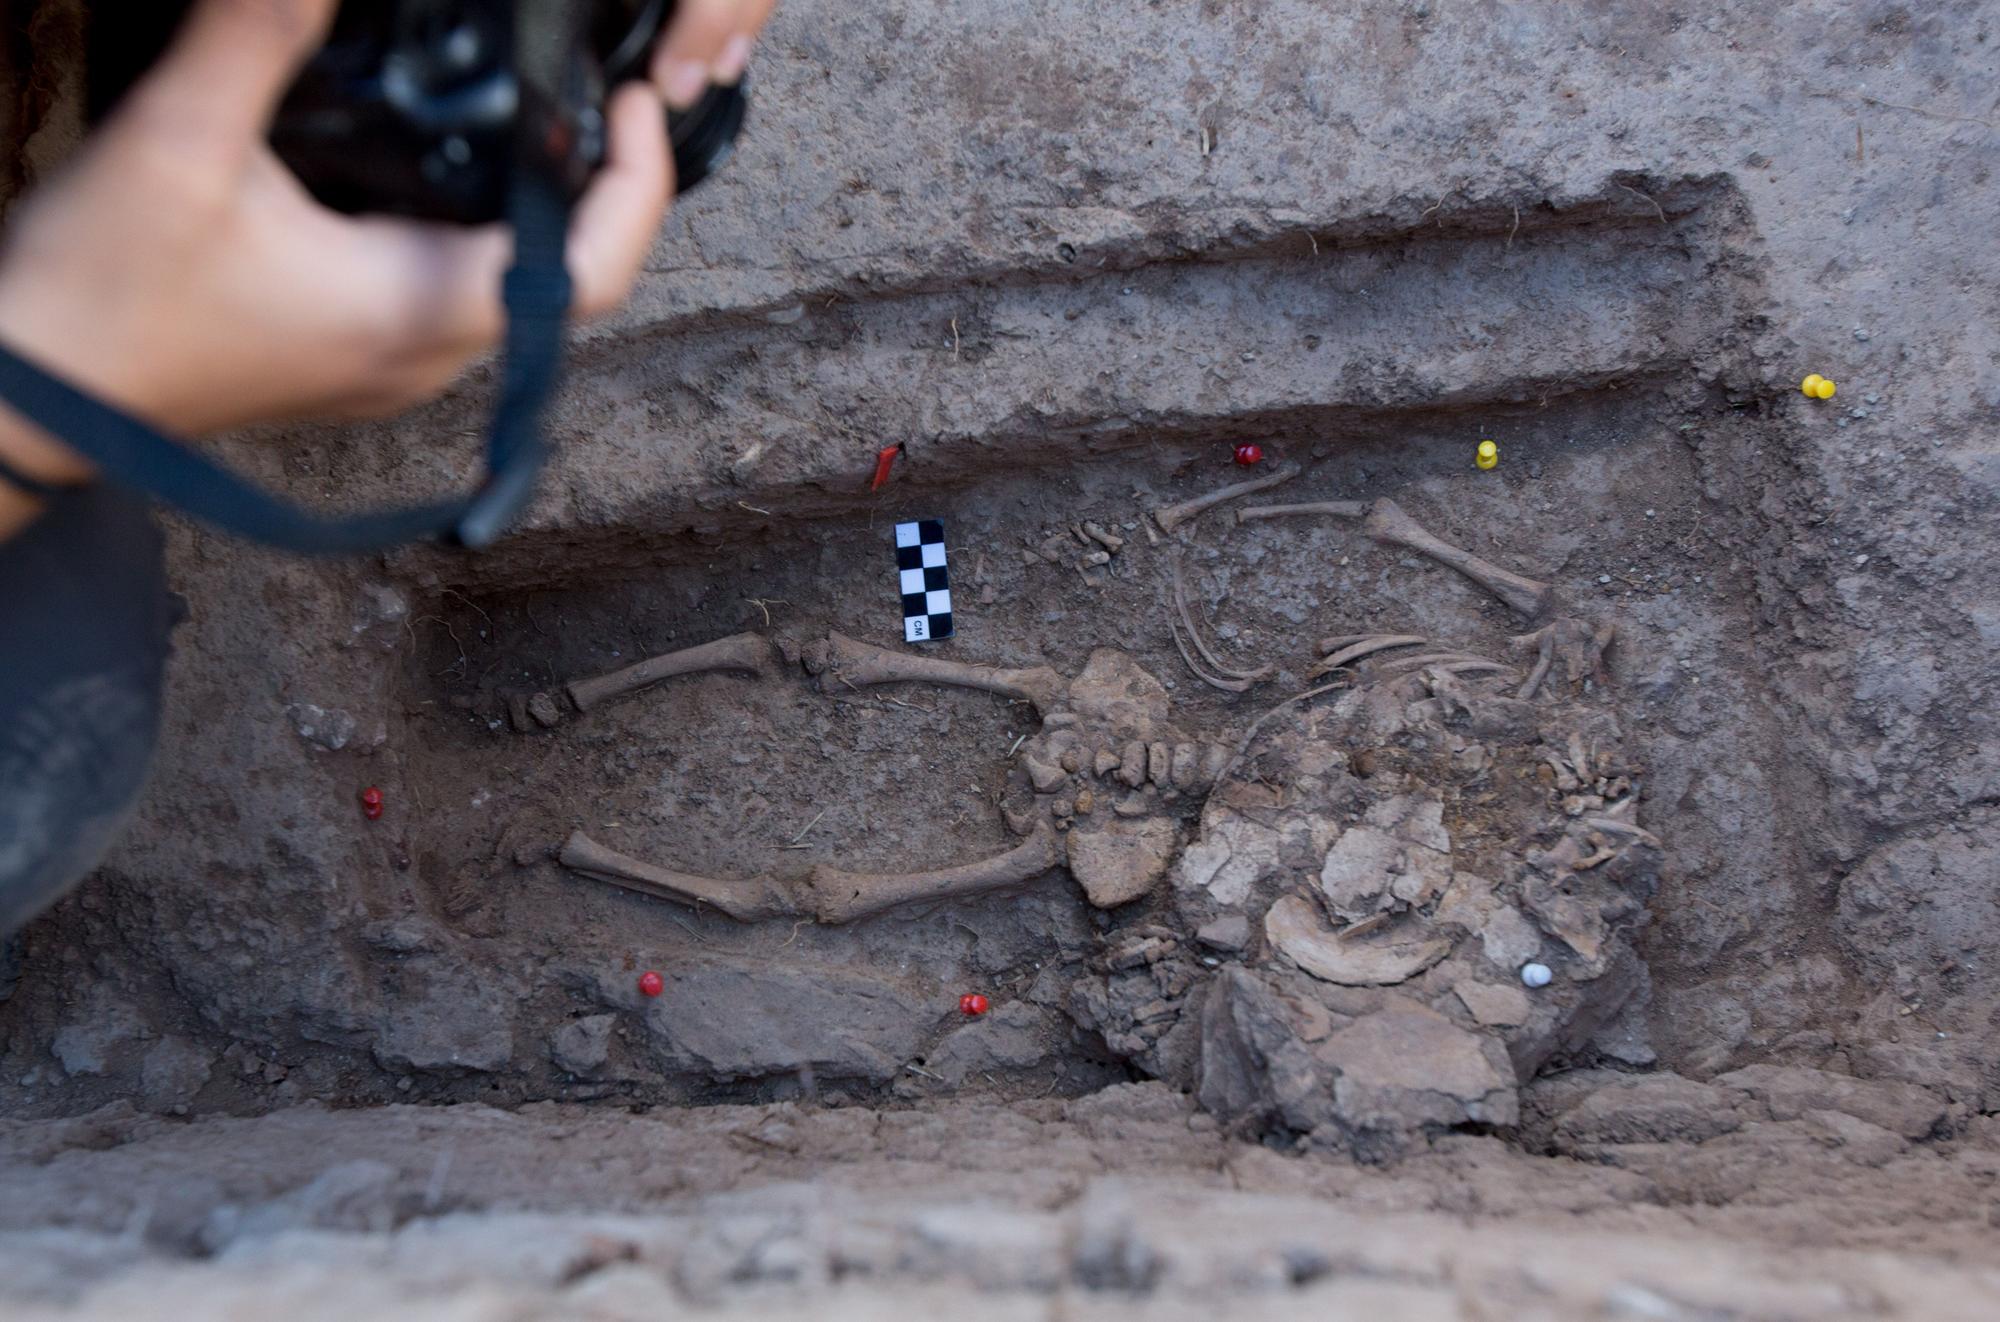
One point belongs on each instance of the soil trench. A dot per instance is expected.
(1357, 894)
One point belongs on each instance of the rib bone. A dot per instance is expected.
(1173, 516)
(746, 653)
(1353, 649)
(862, 664)
(1385, 521)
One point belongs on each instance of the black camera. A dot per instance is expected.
(450, 110)
(424, 107)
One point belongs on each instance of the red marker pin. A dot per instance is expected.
(885, 459)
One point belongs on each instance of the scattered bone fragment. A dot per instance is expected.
(1385, 521)
(1398, 856)
(862, 664)
(743, 653)
(1108, 540)
(1295, 930)
(1578, 646)
(1173, 516)
(543, 709)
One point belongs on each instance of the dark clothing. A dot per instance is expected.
(84, 619)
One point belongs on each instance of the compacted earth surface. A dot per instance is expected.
(1403, 888)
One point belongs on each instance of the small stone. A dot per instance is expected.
(544, 710)
(517, 713)
(329, 728)
(1086, 802)
(1132, 764)
(1046, 776)
(1229, 933)
(173, 1071)
(1493, 1005)
(1106, 762)
(582, 1046)
(1159, 763)
(1185, 767)
(1122, 861)
(1092, 559)
(1071, 760)
(1132, 805)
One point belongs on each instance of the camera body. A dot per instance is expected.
(424, 108)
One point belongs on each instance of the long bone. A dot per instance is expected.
(842, 897)
(862, 664)
(825, 894)
(1385, 521)
(745, 901)
(746, 653)
(1173, 516)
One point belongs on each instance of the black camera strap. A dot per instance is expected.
(536, 294)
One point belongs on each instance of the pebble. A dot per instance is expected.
(1860, 334)
(1604, 578)
(1536, 975)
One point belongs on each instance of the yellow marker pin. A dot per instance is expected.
(1816, 387)
(1487, 455)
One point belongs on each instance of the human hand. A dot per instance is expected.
(177, 269)
(707, 41)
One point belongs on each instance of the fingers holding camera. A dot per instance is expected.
(708, 41)
(229, 65)
(615, 220)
